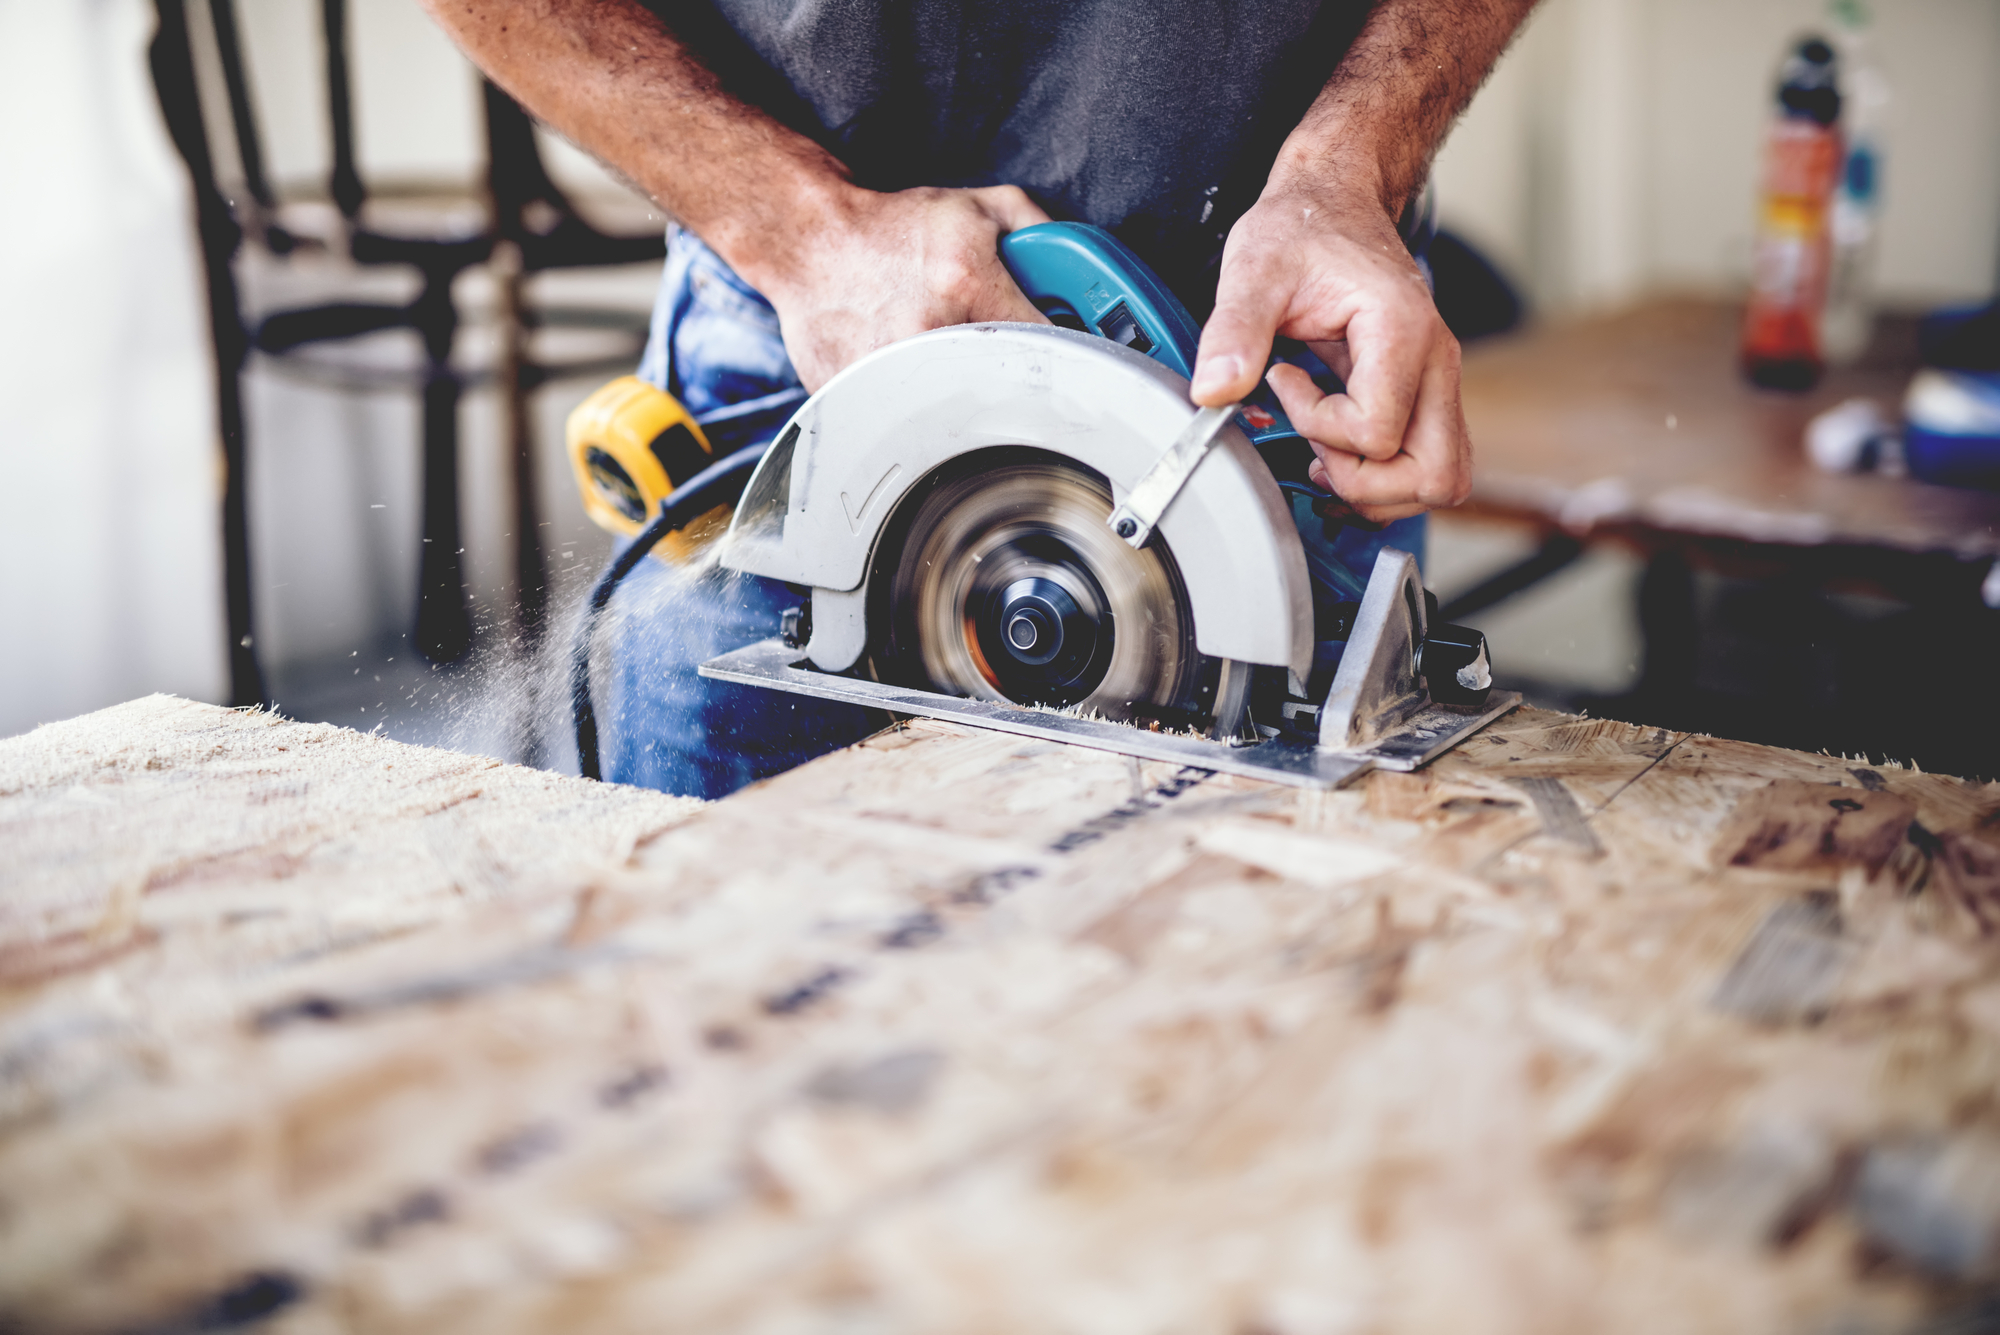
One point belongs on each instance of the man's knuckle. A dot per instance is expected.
(1442, 486)
(1377, 441)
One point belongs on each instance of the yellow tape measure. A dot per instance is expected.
(630, 445)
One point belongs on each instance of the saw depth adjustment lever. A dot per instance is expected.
(1149, 498)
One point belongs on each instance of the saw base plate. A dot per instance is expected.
(774, 665)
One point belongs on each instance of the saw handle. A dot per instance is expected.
(1086, 279)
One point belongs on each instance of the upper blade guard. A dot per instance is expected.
(815, 510)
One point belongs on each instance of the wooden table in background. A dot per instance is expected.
(1639, 425)
(1590, 1027)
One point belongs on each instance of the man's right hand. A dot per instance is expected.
(874, 268)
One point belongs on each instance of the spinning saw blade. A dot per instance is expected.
(1012, 586)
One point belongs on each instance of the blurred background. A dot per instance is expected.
(424, 286)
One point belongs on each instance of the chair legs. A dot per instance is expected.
(180, 106)
(444, 623)
(518, 381)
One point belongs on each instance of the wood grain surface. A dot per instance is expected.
(1589, 1027)
(1641, 418)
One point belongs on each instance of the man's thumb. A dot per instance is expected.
(1235, 344)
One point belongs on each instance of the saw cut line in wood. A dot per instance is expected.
(1584, 1027)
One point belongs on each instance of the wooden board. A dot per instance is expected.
(1589, 1027)
(1641, 419)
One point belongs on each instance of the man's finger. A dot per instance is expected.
(1389, 352)
(1360, 481)
(1438, 438)
(1392, 350)
(1433, 468)
(1305, 403)
(1318, 415)
(1236, 341)
(1374, 514)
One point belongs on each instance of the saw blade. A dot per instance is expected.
(1012, 587)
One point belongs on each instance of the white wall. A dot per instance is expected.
(110, 546)
(1617, 146)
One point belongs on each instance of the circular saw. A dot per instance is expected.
(1032, 528)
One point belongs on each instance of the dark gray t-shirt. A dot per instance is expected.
(1158, 119)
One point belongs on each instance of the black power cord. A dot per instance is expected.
(721, 483)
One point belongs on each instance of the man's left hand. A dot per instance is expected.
(1329, 269)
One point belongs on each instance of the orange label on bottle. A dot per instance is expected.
(1803, 161)
(1789, 267)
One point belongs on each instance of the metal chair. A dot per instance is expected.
(526, 225)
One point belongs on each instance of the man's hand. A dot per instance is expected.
(882, 267)
(1331, 271)
(1318, 259)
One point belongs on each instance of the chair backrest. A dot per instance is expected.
(532, 211)
(529, 208)
(345, 182)
(249, 144)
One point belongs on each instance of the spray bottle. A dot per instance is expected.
(1788, 281)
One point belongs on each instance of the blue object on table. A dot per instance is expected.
(1952, 428)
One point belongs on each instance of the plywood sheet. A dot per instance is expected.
(954, 1031)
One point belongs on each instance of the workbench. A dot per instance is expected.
(1587, 1027)
(1635, 429)
(1638, 424)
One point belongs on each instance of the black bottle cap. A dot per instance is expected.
(1808, 87)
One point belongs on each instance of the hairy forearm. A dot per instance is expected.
(613, 78)
(1409, 74)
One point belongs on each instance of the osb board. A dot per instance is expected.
(1591, 1027)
